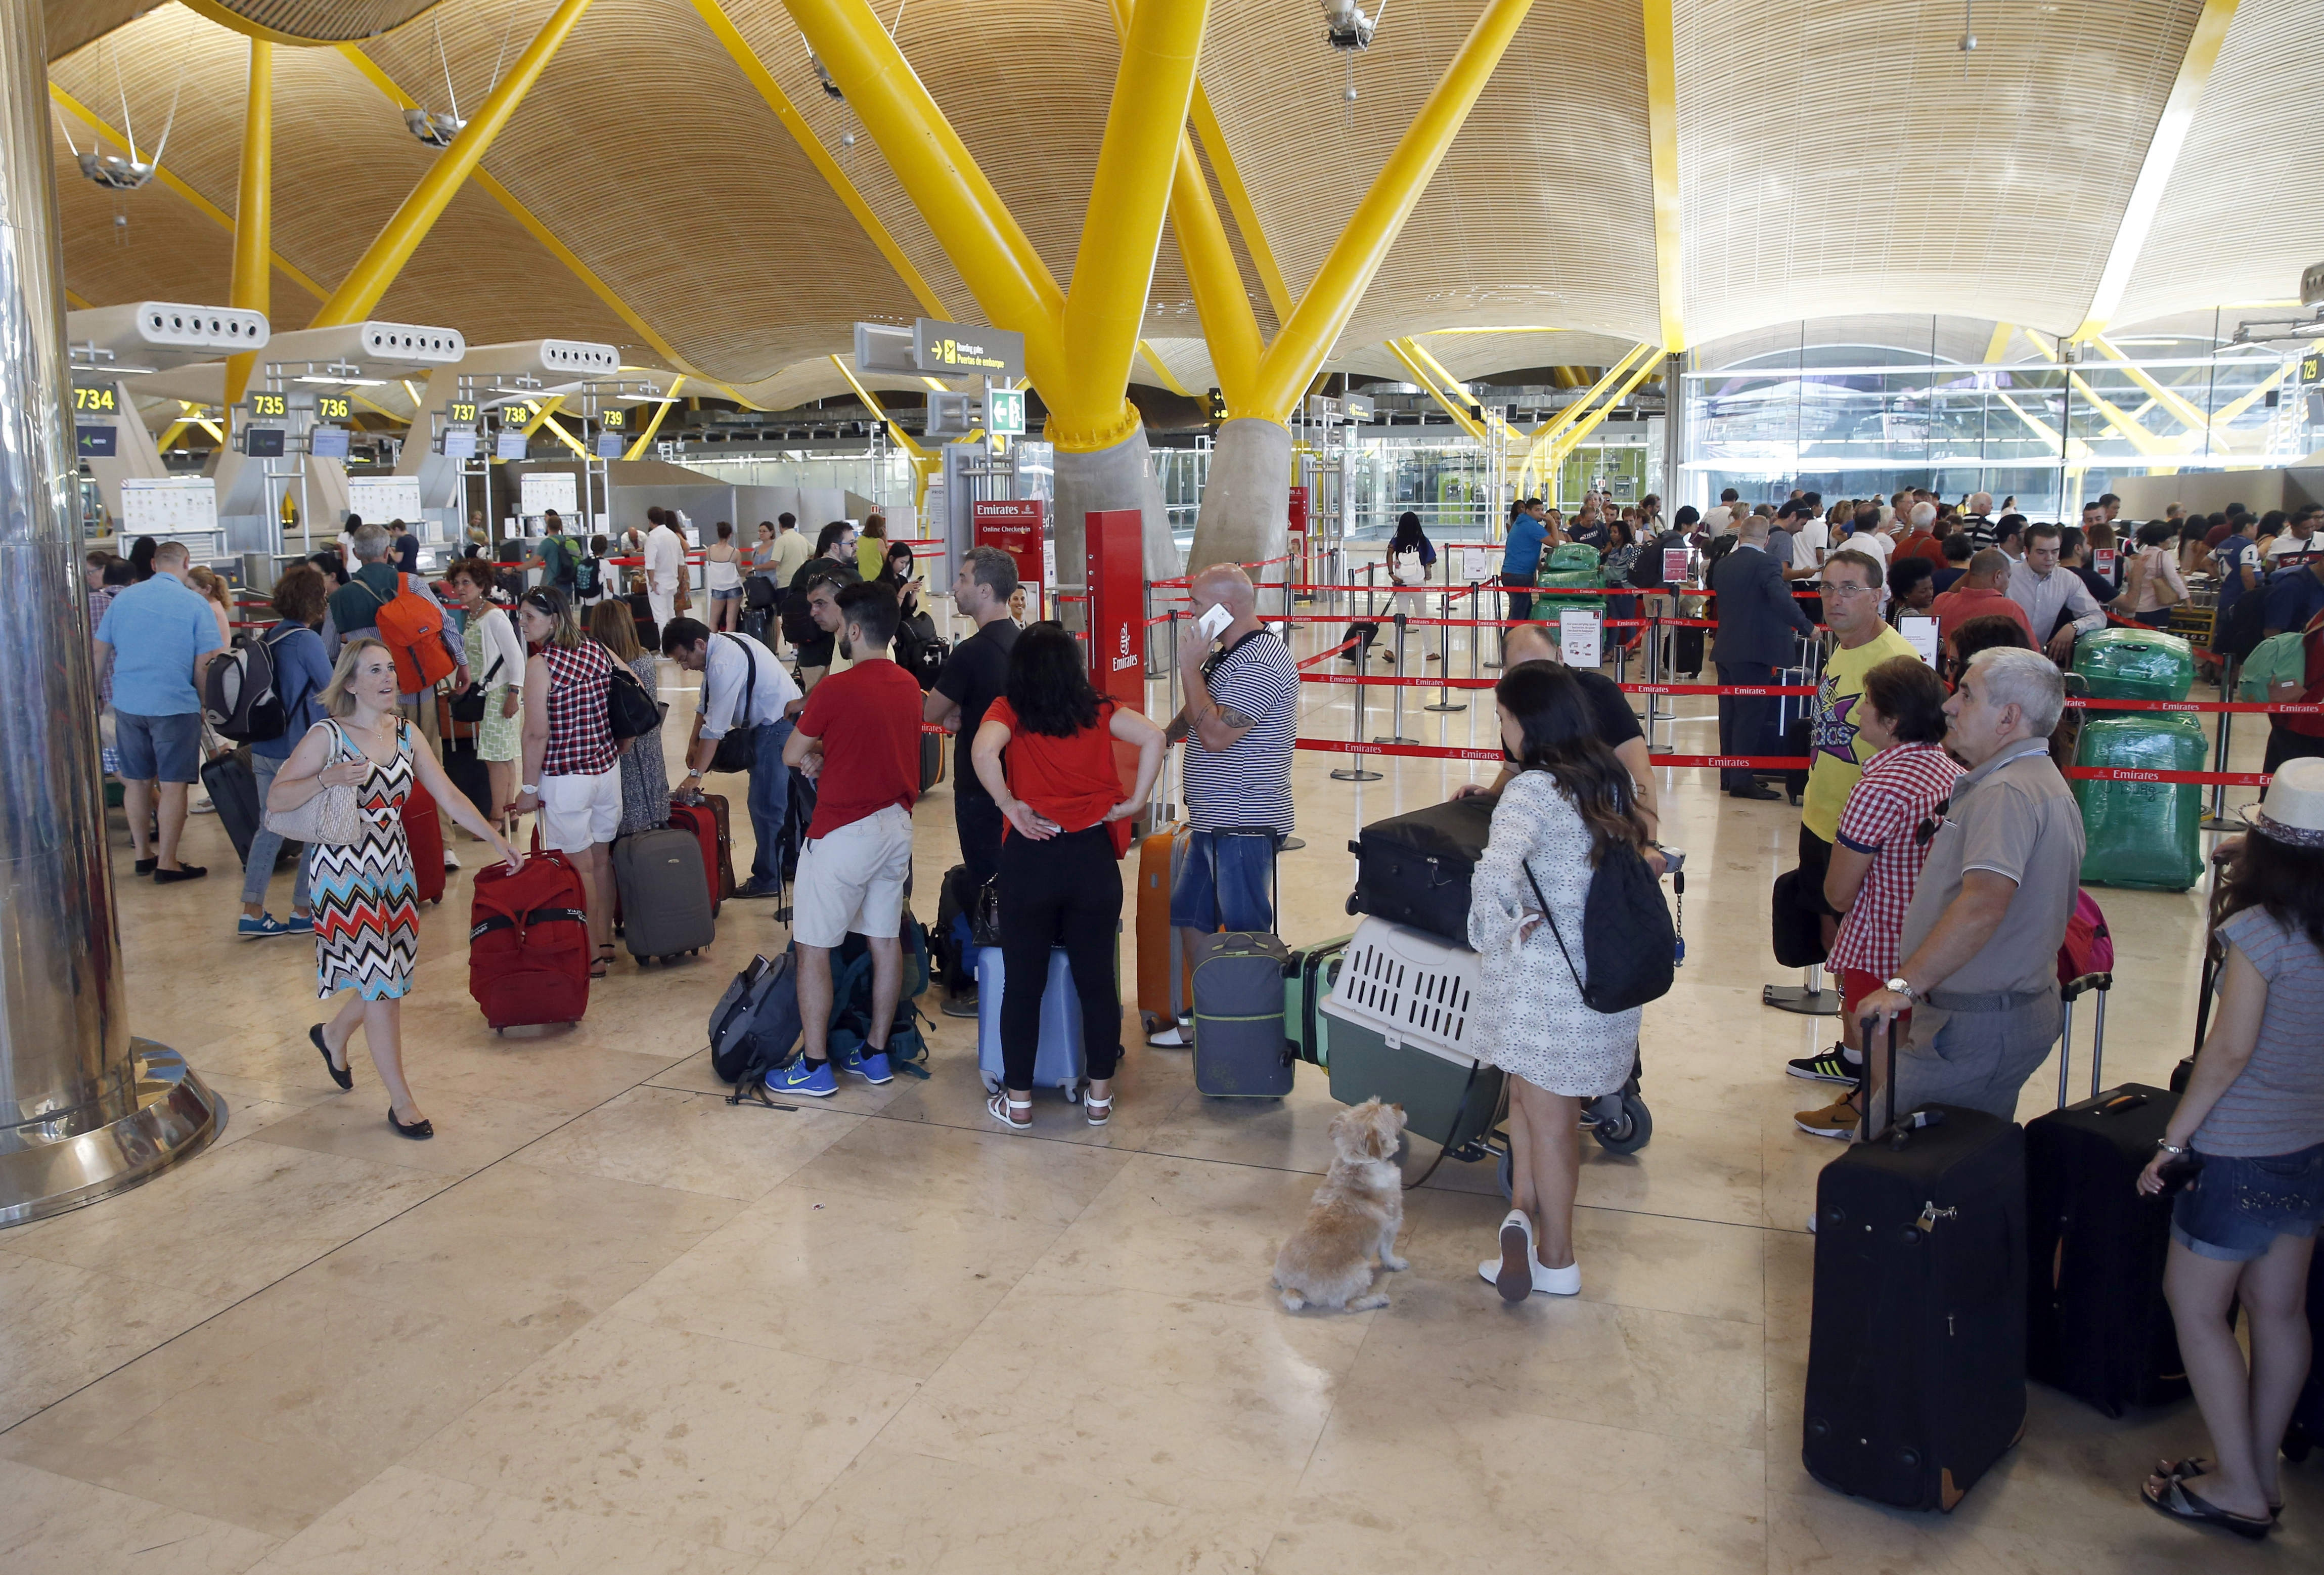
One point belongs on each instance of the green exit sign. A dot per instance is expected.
(1004, 415)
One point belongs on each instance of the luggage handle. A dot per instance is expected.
(2070, 991)
(1900, 1129)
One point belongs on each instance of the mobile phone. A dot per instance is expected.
(1213, 623)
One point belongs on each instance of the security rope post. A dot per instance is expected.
(1371, 588)
(1500, 624)
(1445, 700)
(1354, 770)
(1177, 702)
(2218, 820)
(1395, 723)
(1153, 669)
(1476, 627)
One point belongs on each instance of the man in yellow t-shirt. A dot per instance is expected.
(1837, 756)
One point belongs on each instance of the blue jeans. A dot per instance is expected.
(2238, 1204)
(1225, 883)
(258, 868)
(770, 792)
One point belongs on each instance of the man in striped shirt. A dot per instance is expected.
(1241, 714)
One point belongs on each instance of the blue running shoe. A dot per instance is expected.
(872, 1068)
(799, 1077)
(266, 925)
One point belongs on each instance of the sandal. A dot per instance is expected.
(2175, 1503)
(1096, 1110)
(1002, 1109)
(604, 963)
(2195, 1466)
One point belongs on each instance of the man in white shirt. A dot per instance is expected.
(1811, 538)
(664, 564)
(2299, 536)
(743, 687)
(2044, 590)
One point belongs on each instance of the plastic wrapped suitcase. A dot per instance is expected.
(1916, 1342)
(1241, 1049)
(1414, 869)
(2136, 664)
(1061, 1061)
(2141, 833)
(665, 899)
(423, 829)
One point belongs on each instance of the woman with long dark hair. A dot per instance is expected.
(2250, 1126)
(1060, 877)
(571, 776)
(1570, 801)
(140, 558)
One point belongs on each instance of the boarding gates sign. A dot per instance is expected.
(1014, 524)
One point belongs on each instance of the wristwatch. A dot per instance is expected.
(1902, 987)
(529, 787)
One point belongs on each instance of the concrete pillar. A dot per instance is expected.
(85, 1109)
(1246, 514)
(1121, 477)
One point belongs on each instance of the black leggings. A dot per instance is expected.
(1064, 892)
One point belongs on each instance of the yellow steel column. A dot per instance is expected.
(638, 448)
(1245, 212)
(1572, 439)
(253, 211)
(978, 232)
(1291, 362)
(911, 447)
(1121, 226)
(1402, 349)
(1662, 136)
(360, 290)
(2168, 399)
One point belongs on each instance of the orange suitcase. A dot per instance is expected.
(1166, 990)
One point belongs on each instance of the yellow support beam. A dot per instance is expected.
(202, 204)
(371, 276)
(76, 301)
(645, 439)
(1162, 370)
(2170, 401)
(2138, 437)
(1572, 439)
(1662, 138)
(1121, 225)
(541, 412)
(1574, 411)
(1402, 350)
(746, 59)
(1998, 345)
(1239, 203)
(909, 444)
(984, 241)
(557, 428)
(1290, 363)
(250, 289)
(2163, 149)
(170, 434)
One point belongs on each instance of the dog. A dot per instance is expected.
(1355, 1217)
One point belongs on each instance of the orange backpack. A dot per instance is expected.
(411, 626)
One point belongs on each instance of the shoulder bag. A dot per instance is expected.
(738, 749)
(1627, 935)
(629, 711)
(333, 816)
(468, 705)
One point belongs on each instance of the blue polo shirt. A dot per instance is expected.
(2295, 596)
(156, 629)
(1523, 553)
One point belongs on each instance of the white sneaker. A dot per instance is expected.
(1171, 1038)
(451, 859)
(201, 807)
(1546, 1282)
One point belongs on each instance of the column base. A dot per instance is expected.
(48, 1167)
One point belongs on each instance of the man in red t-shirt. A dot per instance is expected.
(859, 739)
(1978, 593)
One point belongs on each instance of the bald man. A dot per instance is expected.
(1983, 589)
(1242, 712)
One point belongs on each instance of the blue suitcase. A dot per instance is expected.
(1061, 1061)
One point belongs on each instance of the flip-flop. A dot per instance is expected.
(2175, 1503)
(2195, 1466)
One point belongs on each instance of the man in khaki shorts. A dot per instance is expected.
(859, 737)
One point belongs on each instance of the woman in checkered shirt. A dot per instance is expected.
(1884, 835)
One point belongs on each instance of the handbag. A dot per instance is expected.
(334, 815)
(629, 711)
(738, 749)
(1626, 912)
(468, 705)
(984, 914)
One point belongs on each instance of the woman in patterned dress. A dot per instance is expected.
(496, 658)
(1570, 801)
(367, 901)
(645, 774)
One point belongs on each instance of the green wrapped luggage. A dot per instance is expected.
(2141, 833)
(2136, 664)
(1569, 558)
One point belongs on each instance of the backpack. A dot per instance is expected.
(851, 999)
(798, 622)
(558, 563)
(2089, 946)
(1627, 935)
(756, 1026)
(759, 592)
(1427, 553)
(2243, 626)
(240, 694)
(411, 626)
(588, 577)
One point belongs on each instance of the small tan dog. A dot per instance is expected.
(1355, 1217)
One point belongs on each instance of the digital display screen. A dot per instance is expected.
(263, 442)
(328, 442)
(268, 404)
(96, 442)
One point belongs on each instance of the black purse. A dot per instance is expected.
(984, 914)
(738, 749)
(629, 711)
(468, 705)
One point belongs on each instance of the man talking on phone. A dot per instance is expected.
(1241, 711)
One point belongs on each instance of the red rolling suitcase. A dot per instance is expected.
(529, 942)
(706, 821)
(423, 829)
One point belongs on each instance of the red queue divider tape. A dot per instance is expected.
(1774, 763)
(2196, 778)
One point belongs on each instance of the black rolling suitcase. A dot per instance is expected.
(1916, 1347)
(2095, 1323)
(1415, 870)
(233, 787)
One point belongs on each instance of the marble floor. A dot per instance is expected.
(605, 1322)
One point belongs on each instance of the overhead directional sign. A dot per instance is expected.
(333, 407)
(950, 349)
(104, 399)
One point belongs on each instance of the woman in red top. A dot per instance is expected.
(1060, 876)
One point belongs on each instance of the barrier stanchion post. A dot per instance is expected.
(1147, 628)
(1808, 998)
(1371, 588)
(2219, 819)
(1476, 626)
(1445, 700)
(1354, 770)
(1500, 624)
(1395, 723)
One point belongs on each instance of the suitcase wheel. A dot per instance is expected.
(1624, 1130)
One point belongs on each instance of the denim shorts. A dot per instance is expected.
(1226, 883)
(2238, 1204)
(158, 748)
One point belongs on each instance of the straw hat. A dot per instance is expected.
(2292, 811)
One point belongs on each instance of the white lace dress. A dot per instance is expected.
(1541, 1030)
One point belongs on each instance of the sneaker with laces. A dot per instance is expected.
(801, 1077)
(265, 926)
(1827, 1066)
(1837, 1119)
(871, 1065)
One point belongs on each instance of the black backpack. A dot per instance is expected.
(588, 575)
(2243, 626)
(1627, 935)
(759, 593)
(798, 622)
(242, 694)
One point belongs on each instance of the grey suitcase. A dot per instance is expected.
(665, 894)
(1240, 1049)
